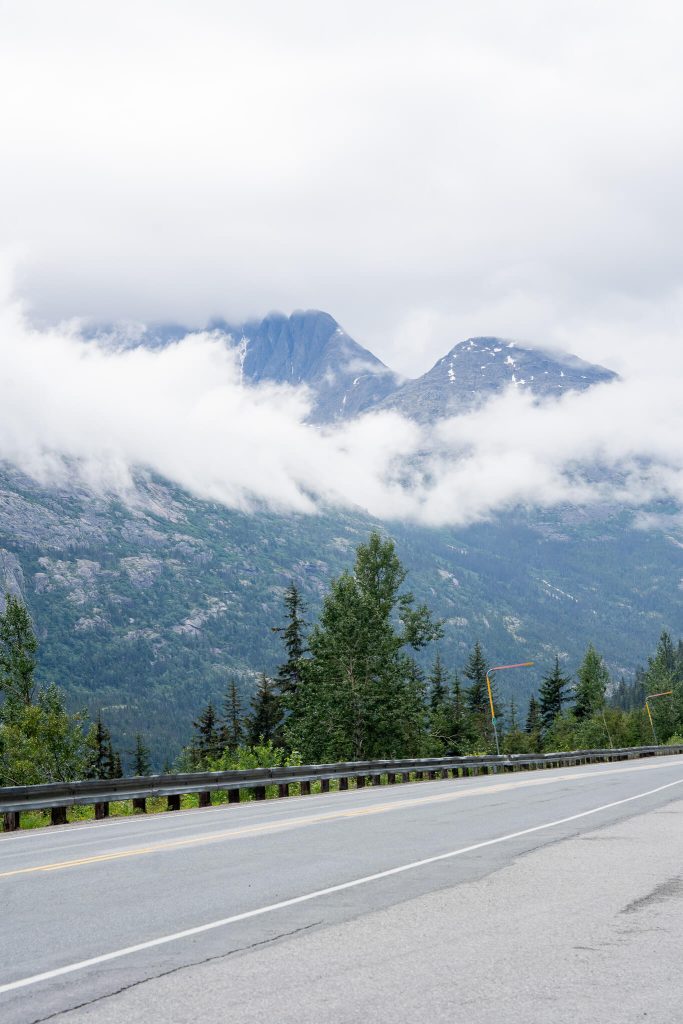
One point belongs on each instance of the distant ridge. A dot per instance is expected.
(345, 379)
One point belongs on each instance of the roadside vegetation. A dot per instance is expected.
(349, 688)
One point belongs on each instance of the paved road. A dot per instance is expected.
(529, 897)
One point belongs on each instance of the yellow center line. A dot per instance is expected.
(269, 827)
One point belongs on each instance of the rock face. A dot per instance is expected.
(311, 348)
(479, 368)
(145, 612)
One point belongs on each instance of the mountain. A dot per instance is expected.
(146, 611)
(478, 368)
(309, 347)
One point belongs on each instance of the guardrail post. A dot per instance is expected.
(324, 785)
(391, 778)
(360, 781)
(140, 804)
(305, 787)
(259, 792)
(58, 816)
(377, 780)
(431, 774)
(405, 776)
(233, 796)
(444, 773)
(11, 821)
(204, 799)
(283, 789)
(344, 782)
(102, 810)
(173, 802)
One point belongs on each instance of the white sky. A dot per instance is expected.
(424, 172)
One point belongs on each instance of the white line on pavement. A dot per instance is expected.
(199, 929)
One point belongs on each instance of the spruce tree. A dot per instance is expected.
(437, 684)
(265, 721)
(294, 640)
(591, 688)
(104, 764)
(533, 718)
(141, 761)
(553, 695)
(477, 696)
(207, 740)
(232, 729)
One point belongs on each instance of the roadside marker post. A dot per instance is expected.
(500, 668)
(651, 696)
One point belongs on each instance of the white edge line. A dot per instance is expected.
(74, 828)
(223, 922)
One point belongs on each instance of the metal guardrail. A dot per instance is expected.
(58, 796)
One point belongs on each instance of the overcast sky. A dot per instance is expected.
(423, 171)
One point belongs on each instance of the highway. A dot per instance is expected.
(530, 897)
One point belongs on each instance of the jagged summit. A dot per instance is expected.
(478, 368)
(309, 347)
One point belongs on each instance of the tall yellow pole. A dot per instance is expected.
(500, 668)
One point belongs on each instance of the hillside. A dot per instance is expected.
(147, 609)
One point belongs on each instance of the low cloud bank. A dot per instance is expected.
(76, 406)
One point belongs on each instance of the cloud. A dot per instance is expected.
(425, 173)
(78, 409)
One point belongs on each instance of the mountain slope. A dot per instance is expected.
(478, 368)
(146, 612)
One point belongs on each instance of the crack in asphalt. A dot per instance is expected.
(175, 970)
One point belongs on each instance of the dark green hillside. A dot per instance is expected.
(147, 611)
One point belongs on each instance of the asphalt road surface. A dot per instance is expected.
(535, 897)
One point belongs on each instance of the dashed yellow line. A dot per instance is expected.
(316, 819)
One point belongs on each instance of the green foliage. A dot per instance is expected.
(256, 755)
(265, 721)
(141, 762)
(41, 742)
(361, 694)
(232, 729)
(106, 764)
(591, 689)
(294, 640)
(553, 695)
(18, 646)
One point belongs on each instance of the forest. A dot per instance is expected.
(349, 687)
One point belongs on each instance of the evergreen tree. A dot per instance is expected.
(141, 762)
(117, 767)
(294, 640)
(461, 732)
(553, 695)
(662, 674)
(591, 688)
(514, 724)
(477, 696)
(265, 721)
(100, 741)
(533, 718)
(207, 740)
(360, 696)
(232, 730)
(18, 646)
(437, 684)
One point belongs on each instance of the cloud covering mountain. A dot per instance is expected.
(82, 409)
